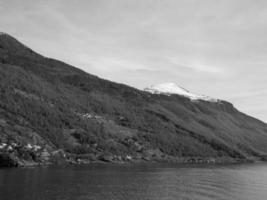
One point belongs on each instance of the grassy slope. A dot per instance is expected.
(42, 101)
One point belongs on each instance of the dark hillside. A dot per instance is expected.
(51, 111)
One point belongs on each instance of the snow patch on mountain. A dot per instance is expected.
(172, 88)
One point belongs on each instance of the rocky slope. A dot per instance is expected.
(51, 112)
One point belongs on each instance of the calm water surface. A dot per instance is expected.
(138, 182)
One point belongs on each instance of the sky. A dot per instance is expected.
(212, 47)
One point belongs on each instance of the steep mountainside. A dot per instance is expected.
(53, 112)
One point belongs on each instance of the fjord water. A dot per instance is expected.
(135, 182)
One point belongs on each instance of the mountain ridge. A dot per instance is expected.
(76, 117)
(172, 88)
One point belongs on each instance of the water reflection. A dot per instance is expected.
(144, 182)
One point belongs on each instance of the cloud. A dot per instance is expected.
(196, 66)
(204, 68)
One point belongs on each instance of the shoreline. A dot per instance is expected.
(181, 161)
(17, 156)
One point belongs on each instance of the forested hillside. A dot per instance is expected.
(53, 112)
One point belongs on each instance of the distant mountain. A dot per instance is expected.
(51, 112)
(172, 88)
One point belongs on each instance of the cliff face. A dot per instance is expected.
(53, 112)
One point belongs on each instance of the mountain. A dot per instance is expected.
(172, 88)
(51, 112)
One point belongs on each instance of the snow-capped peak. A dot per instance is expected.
(172, 88)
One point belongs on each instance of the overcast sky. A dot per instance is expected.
(212, 47)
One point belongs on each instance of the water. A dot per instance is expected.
(135, 182)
